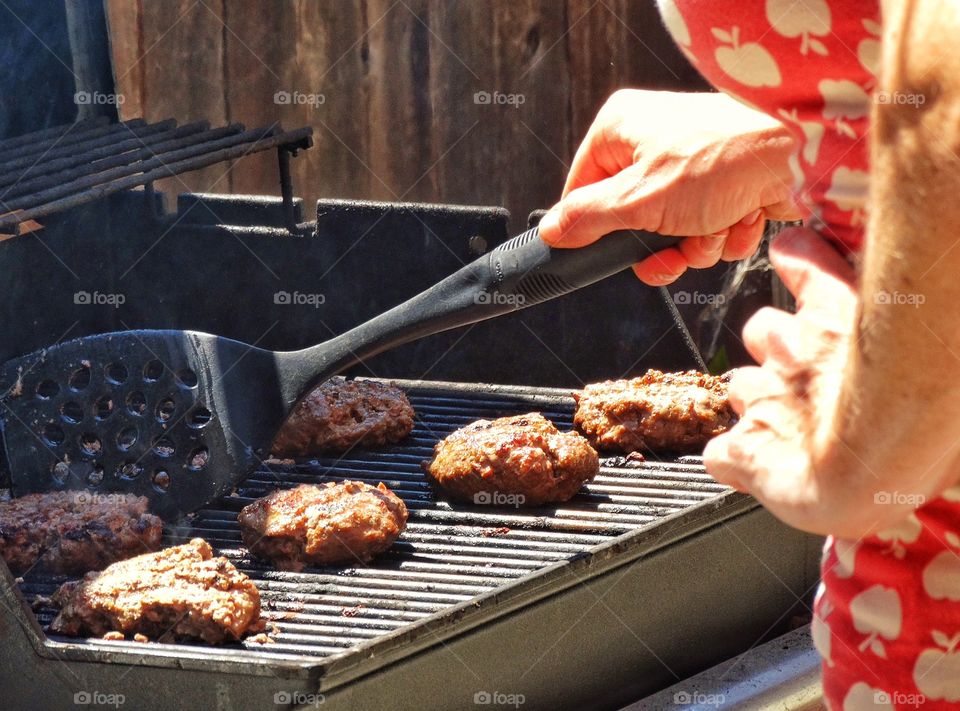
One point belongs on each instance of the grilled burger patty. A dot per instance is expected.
(318, 525)
(179, 593)
(72, 532)
(678, 412)
(524, 457)
(341, 414)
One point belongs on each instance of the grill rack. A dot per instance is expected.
(449, 555)
(52, 170)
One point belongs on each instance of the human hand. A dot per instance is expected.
(701, 166)
(784, 450)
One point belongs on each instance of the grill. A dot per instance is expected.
(55, 169)
(651, 573)
(457, 568)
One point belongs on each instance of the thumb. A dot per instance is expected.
(592, 211)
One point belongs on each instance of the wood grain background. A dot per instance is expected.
(398, 78)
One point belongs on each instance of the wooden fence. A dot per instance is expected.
(394, 88)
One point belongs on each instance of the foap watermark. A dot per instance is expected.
(98, 298)
(899, 298)
(498, 498)
(90, 497)
(299, 98)
(98, 98)
(901, 98)
(698, 698)
(899, 498)
(298, 699)
(98, 698)
(698, 298)
(898, 699)
(498, 98)
(498, 698)
(298, 298)
(499, 299)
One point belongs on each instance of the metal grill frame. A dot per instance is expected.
(340, 673)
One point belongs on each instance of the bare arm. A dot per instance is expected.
(900, 401)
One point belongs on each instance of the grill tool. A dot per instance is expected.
(181, 417)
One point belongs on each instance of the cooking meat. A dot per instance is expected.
(678, 412)
(179, 593)
(520, 460)
(341, 414)
(72, 532)
(318, 525)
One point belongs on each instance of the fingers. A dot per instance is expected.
(751, 384)
(662, 268)
(592, 211)
(771, 332)
(744, 237)
(704, 252)
(812, 269)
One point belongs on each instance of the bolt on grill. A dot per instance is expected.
(449, 554)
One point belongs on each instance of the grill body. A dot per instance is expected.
(636, 582)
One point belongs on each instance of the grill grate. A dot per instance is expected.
(449, 554)
(56, 169)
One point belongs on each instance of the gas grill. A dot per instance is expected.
(651, 573)
(473, 601)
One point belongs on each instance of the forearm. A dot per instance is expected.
(898, 419)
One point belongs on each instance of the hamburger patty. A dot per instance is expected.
(523, 457)
(341, 414)
(318, 525)
(678, 412)
(73, 532)
(179, 593)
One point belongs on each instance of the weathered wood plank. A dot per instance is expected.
(181, 59)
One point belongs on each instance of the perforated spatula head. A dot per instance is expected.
(176, 416)
(181, 416)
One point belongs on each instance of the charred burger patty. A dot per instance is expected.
(524, 456)
(73, 532)
(318, 525)
(341, 414)
(179, 593)
(678, 412)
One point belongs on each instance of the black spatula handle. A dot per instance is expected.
(530, 271)
(521, 272)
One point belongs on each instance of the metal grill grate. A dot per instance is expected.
(56, 169)
(449, 554)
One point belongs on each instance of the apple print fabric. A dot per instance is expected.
(887, 613)
(810, 63)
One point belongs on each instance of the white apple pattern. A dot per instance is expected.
(868, 50)
(907, 531)
(941, 577)
(848, 191)
(748, 63)
(820, 628)
(937, 670)
(877, 613)
(843, 99)
(846, 557)
(812, 133)
(863, 697)
(952, 494)
(801, 19)
(674, 21)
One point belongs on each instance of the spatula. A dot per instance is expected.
(182, 417)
